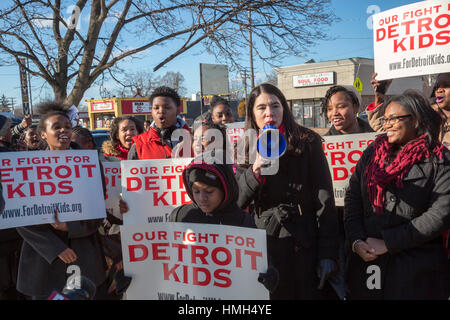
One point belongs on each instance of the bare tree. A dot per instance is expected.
(70, 59)
(174, 80)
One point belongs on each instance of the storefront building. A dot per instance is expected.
(305, 86)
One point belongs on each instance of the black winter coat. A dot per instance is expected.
(310, 231)
(414, 218)
(40, 269)
(364, 127)
(10, 243)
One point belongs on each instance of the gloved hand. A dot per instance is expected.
(270, 278)
(325, 269)
(285, 212)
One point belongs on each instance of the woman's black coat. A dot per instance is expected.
(296, 207)
(414, 218)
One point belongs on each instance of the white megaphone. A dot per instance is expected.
(271, 143)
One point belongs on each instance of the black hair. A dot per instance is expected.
(296, 135)
(216, 101)
(49, 109)
(209, 124)
(114, 130)
(148, 121)
(85, 133)
(439, 82)
(429, 122)
(164, 91)
(335, 89)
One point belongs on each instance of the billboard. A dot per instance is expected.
(213, 79)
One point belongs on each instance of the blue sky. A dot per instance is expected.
(352, 39)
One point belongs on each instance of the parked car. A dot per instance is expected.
(99, 131)
(99, 138)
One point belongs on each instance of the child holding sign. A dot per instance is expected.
(214, 192)
(49, 249)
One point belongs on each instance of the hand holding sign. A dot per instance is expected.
(123, 206)
(61, 226)
(68, 256)
(379, 88)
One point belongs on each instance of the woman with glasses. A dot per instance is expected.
(397, 207)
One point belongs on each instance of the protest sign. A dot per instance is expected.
(342, 153)
(235, 131)
(412, 40)
(181, 261)
(36, 183)
(153, 188)
(111, 170)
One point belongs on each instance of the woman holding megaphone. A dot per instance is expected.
(295, 204)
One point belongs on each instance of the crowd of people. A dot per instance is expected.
(396, 214)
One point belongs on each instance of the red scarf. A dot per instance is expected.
(123, 152)
(379, 175)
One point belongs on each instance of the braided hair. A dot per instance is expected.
(85, 133)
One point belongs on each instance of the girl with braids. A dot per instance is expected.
(109, 231)
(49, 249)
(83, 137)
(123, 130)
(397, 207)
(341, 106)
(296, 205)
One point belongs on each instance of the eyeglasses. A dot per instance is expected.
(393, 120)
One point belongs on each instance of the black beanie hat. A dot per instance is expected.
(206, 177)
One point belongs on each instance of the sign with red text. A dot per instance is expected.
(36, 183)
(102, 106)
(235, 131)
(152, 189)
(111, 170)
(343, 153)
(412, 40)
(188, 261)
(142, 107)
(310, 80)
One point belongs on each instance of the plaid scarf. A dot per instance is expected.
(379, 174)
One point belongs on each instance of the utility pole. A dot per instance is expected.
(29, 86)
(252, 75)
(244, 80)
(12, 104)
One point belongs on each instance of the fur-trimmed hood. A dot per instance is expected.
(109, 149)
